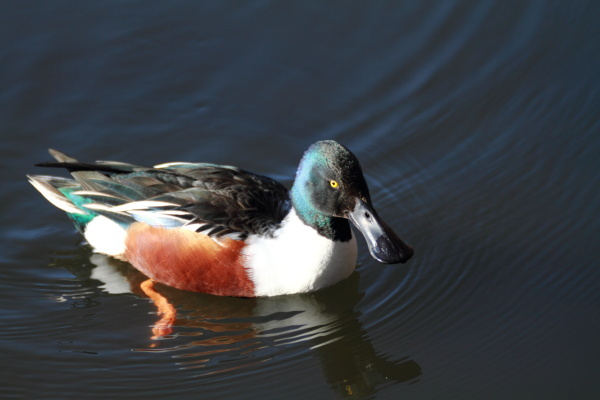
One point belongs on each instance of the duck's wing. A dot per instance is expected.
(213, 199)
(225, 200)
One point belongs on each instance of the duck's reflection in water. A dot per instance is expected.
(211, 334)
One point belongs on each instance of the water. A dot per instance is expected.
(476, 124)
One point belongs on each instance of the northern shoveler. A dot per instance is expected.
(222, 230)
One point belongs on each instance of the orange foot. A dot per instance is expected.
(165, 310)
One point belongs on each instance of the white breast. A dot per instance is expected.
(297, 259)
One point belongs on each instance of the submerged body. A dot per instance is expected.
(222, 230)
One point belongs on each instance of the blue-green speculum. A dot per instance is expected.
(384, 245)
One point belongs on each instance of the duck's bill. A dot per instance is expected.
(384, 245)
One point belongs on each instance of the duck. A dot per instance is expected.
(222, 230)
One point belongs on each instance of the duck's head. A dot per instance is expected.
(330, 186)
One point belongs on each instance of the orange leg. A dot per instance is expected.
(165, 310)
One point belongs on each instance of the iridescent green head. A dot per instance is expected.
(330, 189)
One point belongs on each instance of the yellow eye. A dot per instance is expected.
(334, 184)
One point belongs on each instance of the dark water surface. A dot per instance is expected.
(477, 125)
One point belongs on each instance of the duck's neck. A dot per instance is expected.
(336, 229)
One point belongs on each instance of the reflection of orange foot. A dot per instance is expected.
(165, 310)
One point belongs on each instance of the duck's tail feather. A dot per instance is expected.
(73, 165)
(62, 157)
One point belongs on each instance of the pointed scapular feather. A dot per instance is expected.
(190, 165)
(101, 207)
(88, 179)
(147, 186)
(90, 193)
(52, 194)
(177, 212)
(55, 181)
(126, 167)
(129, 192)
(193, 227)
(102, 198)
(122, 219)
(181, 197)
(144, 180)
(153, 182)
(142, 205)
(157, 219)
